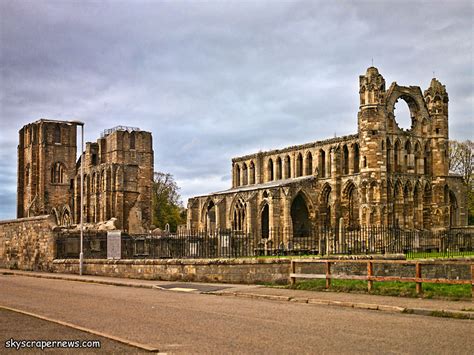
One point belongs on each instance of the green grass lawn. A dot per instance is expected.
(440, 255)
(402, 289)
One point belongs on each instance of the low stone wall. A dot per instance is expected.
(27, 243)
(248, 271)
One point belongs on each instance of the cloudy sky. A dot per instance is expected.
(214, 79)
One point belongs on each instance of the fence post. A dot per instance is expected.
(419, 285)
(293, 271)
(369, 275)
(472, 280)
(328, 274)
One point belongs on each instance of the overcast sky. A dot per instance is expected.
(213, 80)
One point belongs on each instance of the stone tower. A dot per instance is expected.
(46, 168)
(436, 99)
(372, 129)
(118, 178)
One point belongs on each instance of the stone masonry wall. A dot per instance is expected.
(27, 243)
(247, 271)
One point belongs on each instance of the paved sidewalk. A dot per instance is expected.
(428, 307)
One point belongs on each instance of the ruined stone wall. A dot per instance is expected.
(118, 175)
(27, 243)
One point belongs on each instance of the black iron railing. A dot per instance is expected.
(280, 242)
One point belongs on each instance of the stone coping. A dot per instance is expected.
(229, 261)
(26, 219)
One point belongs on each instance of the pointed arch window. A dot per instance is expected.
(309, 164)
(132, 140)
(279, 169)
(57, 173)
(57, 134)
(345, 160)
(252, 173)
(356, 158)
(27, 174)
(270, 170)
(245, 176)
(322, 163)
(238, 222)
(299, 165)
(287, 167)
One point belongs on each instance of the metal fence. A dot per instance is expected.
(233, 244)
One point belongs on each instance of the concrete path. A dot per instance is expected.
(420, 306)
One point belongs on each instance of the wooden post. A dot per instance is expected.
(472, 280)
(370, 272)
(328, 274)
(419, 285)
(293, 271)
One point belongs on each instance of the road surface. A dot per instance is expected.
(189, 322)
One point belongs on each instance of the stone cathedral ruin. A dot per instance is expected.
(382, 175)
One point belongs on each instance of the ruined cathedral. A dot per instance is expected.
(381, 176)
(118, 175)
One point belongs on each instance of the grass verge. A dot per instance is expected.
(393, 288)
(435, 255)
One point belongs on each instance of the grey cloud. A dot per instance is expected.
(213, 80)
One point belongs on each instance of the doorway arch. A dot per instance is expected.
(300, 217)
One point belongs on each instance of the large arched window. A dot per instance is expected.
(427, 159)
(322, 163)
(252, 173)
(299, 165)
(58, 173)
(265, 221)
(356, 158)
(309, 163)
(237, 175)
(396, 156)
(57, 134)
(345, 160)
(238, 216)
(325, 208)
(287, 167)
(300, 217)
(279, 169)
(245, 176)
(27, 174)
(270, 170)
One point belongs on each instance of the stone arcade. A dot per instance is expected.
(382, 175)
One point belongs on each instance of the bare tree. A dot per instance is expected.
(461, 159)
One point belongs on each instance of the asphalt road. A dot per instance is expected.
(19, 327)
(180, 322)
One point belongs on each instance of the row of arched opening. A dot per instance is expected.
(408, 207)
(405, 158)
(282, 167)
(100, 189)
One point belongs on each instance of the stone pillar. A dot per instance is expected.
(248, 217)
(287, 225)
(351, 161)
(218, 217)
